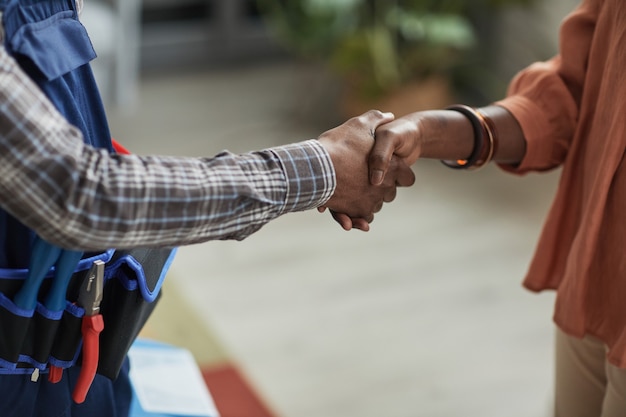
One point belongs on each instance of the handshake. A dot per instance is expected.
(372, 155)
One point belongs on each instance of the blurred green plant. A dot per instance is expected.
(377, 45)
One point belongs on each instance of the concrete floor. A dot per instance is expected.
(422, 316)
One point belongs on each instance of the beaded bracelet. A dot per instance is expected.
(485, 139)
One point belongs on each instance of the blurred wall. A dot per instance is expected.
(183, 33)
(525, 36)
(218, 32)
(179, 34)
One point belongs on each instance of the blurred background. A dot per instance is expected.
(422, 316)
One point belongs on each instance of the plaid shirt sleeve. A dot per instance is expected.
(80, 197)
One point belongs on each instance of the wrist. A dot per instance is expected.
(485, 140)
(445, 134)
(512, 144)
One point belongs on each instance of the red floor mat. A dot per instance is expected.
(232, 393)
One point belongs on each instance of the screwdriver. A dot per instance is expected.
(44, 255)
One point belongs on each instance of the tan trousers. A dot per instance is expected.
(586, 384)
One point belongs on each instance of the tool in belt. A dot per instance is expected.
(92, 325)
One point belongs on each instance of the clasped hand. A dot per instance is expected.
(356, 197)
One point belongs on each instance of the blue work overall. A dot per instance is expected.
(53, 48)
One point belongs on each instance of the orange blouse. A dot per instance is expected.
(572, 110)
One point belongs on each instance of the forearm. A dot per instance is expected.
(448, 135)
(101, 201)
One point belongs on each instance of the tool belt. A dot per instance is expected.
(39, 338)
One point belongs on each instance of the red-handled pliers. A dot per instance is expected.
(89, 298)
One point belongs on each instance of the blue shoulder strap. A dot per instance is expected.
(53, 48)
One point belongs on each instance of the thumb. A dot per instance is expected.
(379, 160)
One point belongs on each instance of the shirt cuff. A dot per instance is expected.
(309, 174)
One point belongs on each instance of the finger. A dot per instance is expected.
(361, 224)
(390, 195)
(400, 173)
(343, 219)
(321, 209)
(406, 177)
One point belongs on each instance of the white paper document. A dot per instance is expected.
(167, 380)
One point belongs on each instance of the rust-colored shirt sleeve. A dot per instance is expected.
(545, 98)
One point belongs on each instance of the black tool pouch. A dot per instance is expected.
(39, 338)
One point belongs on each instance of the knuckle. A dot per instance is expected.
(375, 113)
(369, 116)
